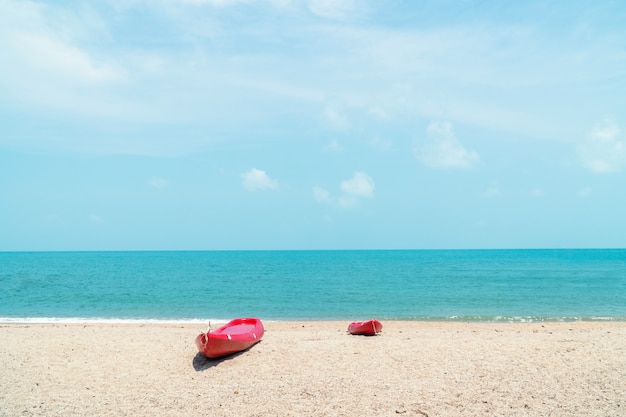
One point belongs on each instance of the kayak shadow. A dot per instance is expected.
(202, 363)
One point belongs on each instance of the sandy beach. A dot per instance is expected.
(316, 369)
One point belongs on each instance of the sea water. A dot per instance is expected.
(448, 285)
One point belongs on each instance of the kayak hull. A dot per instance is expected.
(235, 336)
(365, 328)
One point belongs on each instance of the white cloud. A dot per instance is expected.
(43, 41)
(49, 62)
(257, 179)
(603, 152)
(360, 185)
(443, 150)
(56, 57)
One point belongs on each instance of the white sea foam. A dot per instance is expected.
(98, 320)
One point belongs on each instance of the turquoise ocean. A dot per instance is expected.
(434, 285)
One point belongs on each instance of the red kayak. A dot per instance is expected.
(234, 336)
(367, 328)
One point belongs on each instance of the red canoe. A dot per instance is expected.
(234, 336)
(367, 328)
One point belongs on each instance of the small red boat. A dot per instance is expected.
(234, 336)
(367, 328)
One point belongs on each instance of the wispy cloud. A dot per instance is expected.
(359, 186)
(493, 190)
(191, 63)
(257, 179)
(334, 9)
(43, 51)
(62, 60)
(442, 149)
(322, 195)
(336, 117)
(603, 151)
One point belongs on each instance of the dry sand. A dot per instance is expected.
(316, 369)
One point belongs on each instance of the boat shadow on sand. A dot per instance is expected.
(202, 363)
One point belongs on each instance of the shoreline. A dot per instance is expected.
(193, 321)
(314, 368)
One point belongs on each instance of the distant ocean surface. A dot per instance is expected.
(434, 285)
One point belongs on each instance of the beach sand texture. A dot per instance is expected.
(316, 369)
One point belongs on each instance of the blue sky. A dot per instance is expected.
(312, 124)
